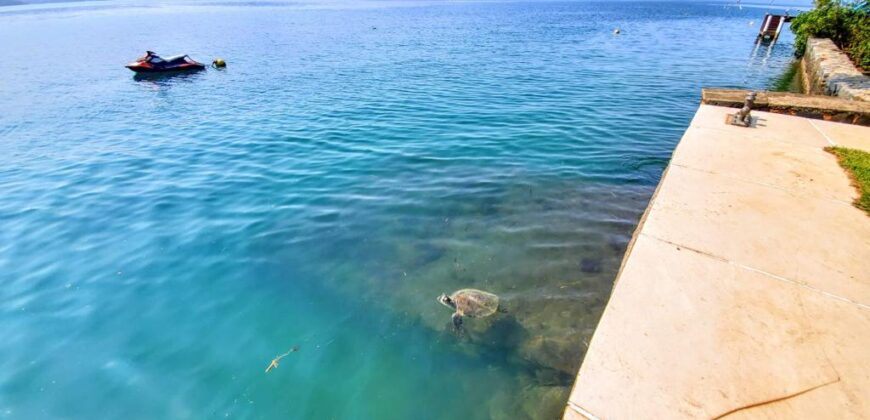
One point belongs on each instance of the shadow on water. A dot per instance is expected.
(497, 344)
(167, 79)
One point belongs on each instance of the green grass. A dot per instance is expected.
(857, 164)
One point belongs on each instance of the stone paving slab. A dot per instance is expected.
(845, 135)
(802, 170)
(697, 337)
(746, 291)
(778, 232)
(765, 125)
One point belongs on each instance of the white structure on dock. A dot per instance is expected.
(771, 26)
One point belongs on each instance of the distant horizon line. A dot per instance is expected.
(773, 4)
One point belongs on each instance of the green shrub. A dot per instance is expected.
(847, 25)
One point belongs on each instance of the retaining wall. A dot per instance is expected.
(829, 71)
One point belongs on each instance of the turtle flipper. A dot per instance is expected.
(457, 322)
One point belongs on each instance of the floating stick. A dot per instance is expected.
(275, 361)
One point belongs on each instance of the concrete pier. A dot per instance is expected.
(746, 289)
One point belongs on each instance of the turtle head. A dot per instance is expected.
(446, 301)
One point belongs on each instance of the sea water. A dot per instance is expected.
(162, 239)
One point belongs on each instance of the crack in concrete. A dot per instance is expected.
(776, 400)
(771, 275)
(831, 142)
(581, 411)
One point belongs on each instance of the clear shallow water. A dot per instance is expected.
(161, 240)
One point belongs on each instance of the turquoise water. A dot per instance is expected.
(162, 239)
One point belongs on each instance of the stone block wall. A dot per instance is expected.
(829, 71)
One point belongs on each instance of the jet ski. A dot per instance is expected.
(153, 63)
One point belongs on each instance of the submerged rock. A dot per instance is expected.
(545, 402)
(533, 402)
(590, 265)
(560, 353)
(618, 244)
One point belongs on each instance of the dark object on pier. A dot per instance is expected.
(153, 63)
(743, 117)
(771, 26)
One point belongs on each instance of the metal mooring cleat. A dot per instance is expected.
(743, 117)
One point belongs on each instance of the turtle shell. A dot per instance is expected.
(475, 303)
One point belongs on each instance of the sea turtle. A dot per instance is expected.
(471, 303)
